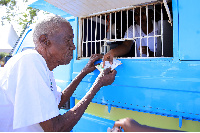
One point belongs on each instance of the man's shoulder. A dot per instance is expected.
(29, 52)
(29, 55)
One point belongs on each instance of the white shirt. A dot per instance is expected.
(26, 95)
(143, 40)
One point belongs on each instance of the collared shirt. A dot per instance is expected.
(28, 93)
(152, 44)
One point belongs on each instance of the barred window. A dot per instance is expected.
(149, 26)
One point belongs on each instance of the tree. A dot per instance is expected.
(16, 15)
(4, 2)
(2, 57)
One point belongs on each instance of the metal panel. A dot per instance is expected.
(189, 29)
(161, 87)
(91, 123)
(80, 8)
(164, 87)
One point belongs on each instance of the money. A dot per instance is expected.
(108, 65)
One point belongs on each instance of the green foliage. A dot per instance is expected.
(4, 2)
(14, 13)
(2, 55)
(33, 13)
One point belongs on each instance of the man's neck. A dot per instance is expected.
(50, 64)
(150, 28)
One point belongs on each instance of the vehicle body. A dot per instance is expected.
(161, 91)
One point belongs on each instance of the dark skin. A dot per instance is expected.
(125, 47)
(90, 67)
(58, 50)
(130, 125)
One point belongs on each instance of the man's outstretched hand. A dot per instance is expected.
(90, 67)
(106, 77)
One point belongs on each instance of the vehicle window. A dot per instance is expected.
(148, 26)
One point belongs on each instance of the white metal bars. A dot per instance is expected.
(101, 25)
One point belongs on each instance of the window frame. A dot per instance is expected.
(163, 5)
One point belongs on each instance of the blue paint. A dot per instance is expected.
(180, 121)
(109, 107)
(188, 30)
(72, 102)
(162, 86)
(175, 30)
(91, 123)
(19, 47)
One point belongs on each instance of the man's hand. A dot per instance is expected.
(90, 67)
(108, 57)
(107, 77)
(120, 50)
(128, 124)
(144, 51)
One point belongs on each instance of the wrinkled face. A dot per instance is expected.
(62, 45)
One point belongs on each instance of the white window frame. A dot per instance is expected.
(104, 13)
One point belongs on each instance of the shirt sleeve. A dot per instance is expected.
(34, 102)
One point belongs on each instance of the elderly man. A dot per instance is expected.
(29, 100)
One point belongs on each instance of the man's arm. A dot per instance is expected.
(67, 92)
(68, 120)
(120, 50)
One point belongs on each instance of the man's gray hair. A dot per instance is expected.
(48, 26)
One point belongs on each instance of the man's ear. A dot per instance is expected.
(43, 39)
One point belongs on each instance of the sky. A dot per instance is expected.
(4, 30)
(6, 41)
(22, 8)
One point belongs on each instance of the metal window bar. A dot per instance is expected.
(96, 37)
(154, 22)
(81, 29)
(134, 32)
(110, 25)
(140, 33)
(168, 12)
(133, 22)
(87, 40)
(121, 24)
(127, 22)
(162, 29)
(147, 10)
(105, 39)
(91, 37)
(115, 25)
(100, 34)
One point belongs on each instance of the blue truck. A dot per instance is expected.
(161, 91)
